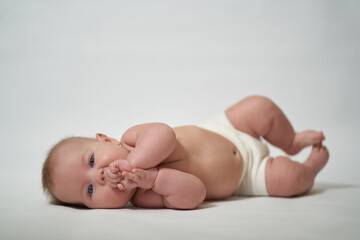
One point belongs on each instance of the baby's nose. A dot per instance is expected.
(100, 178)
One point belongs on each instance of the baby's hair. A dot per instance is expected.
(48, 169)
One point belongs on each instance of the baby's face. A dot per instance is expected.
(79, 174)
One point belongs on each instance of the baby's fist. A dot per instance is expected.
(145, 179)
(114, 171)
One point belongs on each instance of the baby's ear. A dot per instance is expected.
(103, 138)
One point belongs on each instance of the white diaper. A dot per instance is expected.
(253, 152)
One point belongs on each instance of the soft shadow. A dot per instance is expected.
(212, 203)
(237, 198)
(318, 188)
(77, 207)
(323, 186)
(204, 205)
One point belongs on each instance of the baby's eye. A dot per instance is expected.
(92, 161)
(90, 189)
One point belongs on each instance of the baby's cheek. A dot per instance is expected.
(115, 153)
(109, 197)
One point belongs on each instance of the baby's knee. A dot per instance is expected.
(261, 103)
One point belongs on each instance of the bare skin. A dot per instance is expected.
(217, 163)
(260, 117)
(181, 167)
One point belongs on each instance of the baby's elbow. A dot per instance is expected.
(201, 195)
(167, 136)
(166, 130)
(197, 198)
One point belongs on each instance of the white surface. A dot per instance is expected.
(81, 67)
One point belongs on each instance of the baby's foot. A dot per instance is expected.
(318, 158)
(304, 139)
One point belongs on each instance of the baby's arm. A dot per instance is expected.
(165, 187)
(149, 144)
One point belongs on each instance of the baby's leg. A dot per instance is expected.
(286, 178)
(259, 116)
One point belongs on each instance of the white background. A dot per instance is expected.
(71, 68)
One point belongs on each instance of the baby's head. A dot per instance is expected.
(73, 172)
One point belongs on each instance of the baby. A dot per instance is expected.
(155, 166)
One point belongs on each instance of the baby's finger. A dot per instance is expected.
(111, 174)
(113, 185)
(131, 176)
(120, 186)
(139, 172)
(113, 167)
(114, 180)
(126, 184)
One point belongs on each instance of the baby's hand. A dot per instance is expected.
(144, 179)
(114, 171)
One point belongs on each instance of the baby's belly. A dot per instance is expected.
(209, 156)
